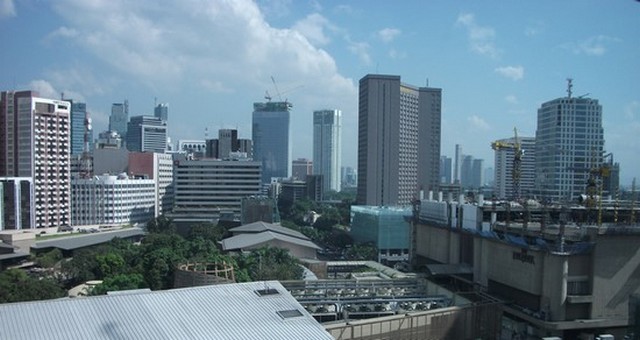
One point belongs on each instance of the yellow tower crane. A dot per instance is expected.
(516, 146)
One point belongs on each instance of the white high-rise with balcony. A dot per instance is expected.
(327, 147)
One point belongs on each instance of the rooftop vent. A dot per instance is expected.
(291, 313)
(267, 291)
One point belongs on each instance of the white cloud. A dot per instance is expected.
(631, 110)
(395, 54)
(388, 34)
(511, 72)
(312, 27)
(63, 32)
(7, 9)
(360, 49)
(481, 38)
(511, 99)
(44, 89)
(593, 46)
(478, 123)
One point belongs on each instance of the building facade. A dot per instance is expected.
(504, 168)
(270, 135)
(16, 203)
(207, 188)
(569, 142)
(79, 125)
(112, 200)
(385, 227)
(327, 147)
(119, 118)
(445, 170)
(159, 168)
(161, 111)
(301, 168)
(398, 140)
(147, 133)
(34, 142)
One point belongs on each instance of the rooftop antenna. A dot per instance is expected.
(61, 95)
(427, 81)
(569, 86)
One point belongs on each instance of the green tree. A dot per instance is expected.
(110, 264)
(48, 259)
(271, 263)
(16, 285)
(119, 282)
(362, 251)
(161, 224)
(207, 231)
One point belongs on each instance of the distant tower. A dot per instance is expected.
(119, 118)
(503, 168)
(147, 133)
(569, 142)
(327, 147)
(270, 134)
(161, 111)
(457, 165)
(398, 141)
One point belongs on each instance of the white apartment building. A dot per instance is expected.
(158, 167)
(34, 142)
(112, 200)
(327, 147)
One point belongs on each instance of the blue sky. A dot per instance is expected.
(496, 61)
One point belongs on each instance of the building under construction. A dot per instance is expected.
(563, 271)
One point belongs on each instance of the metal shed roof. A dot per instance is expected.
(243, 241)
(229, 311)
(75, 242)
(258, 227)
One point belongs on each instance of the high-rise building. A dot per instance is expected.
(79, 126)
(159, 168)
(119, 118)
(147, 133)
(34, 142)
(161, 111)
(504, 168)
(270, 134)
(16, 203)
(569, 142)
(301, 168)
(227, 145)
(349, 177)
(327, 147)
(457, 164)
(445, 169)
(398, 140)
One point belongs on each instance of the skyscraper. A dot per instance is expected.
(147, 133)
(504, 168)
(161, 111)
(270, 134)
(457, 164)
(445, 169)
(398, 140)
(119, 118)
(569, 142)
(301, 168)
(327, 147)
(78, 125)
(34, 142)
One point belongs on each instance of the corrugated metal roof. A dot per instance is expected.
(229, 311)
(75, 242)
(258, 227)
(243, 241)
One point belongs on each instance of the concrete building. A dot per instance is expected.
(270, 135)
(34, 142)
(159, 168)
(388, 229)
(147, 133)
(79, 123)
(227, 145)
(109, 140)
(569, 142)
(259, 208)
(558, 274)
(301, 168)
(398, 140)
(504, 168)
(457, 164)
(119, 118)
(17, 210)
(207, 188)
(327, 147)
(112, 200)
(349, 177)
(445, 170)
(110, 161)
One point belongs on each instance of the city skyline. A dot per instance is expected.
(495, 67)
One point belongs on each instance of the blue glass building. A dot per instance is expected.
(388, 228)
(78, 116)
(270, 134)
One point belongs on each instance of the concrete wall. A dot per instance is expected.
(508, 265)
(616, 275)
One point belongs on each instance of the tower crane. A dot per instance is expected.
(516, 171)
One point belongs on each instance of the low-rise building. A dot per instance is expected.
(387, 228)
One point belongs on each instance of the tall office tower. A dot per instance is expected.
(147, 133)
(16, 203)
(79, 124)
(161, 111)
(301, 168)
(569, 142)
(477, 176)
(398, 141)
(119, 118)
(349, 177)
(457, 164)
(227, 142)
(270, 134)
(445, 169)
(489, 177)
(504, 168)
(327, 147)
(34, 142)
(466, 171)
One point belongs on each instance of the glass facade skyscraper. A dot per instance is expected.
(569, 142)
(270, 134)
(78, 116)
(327, 147)
(119, 118)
